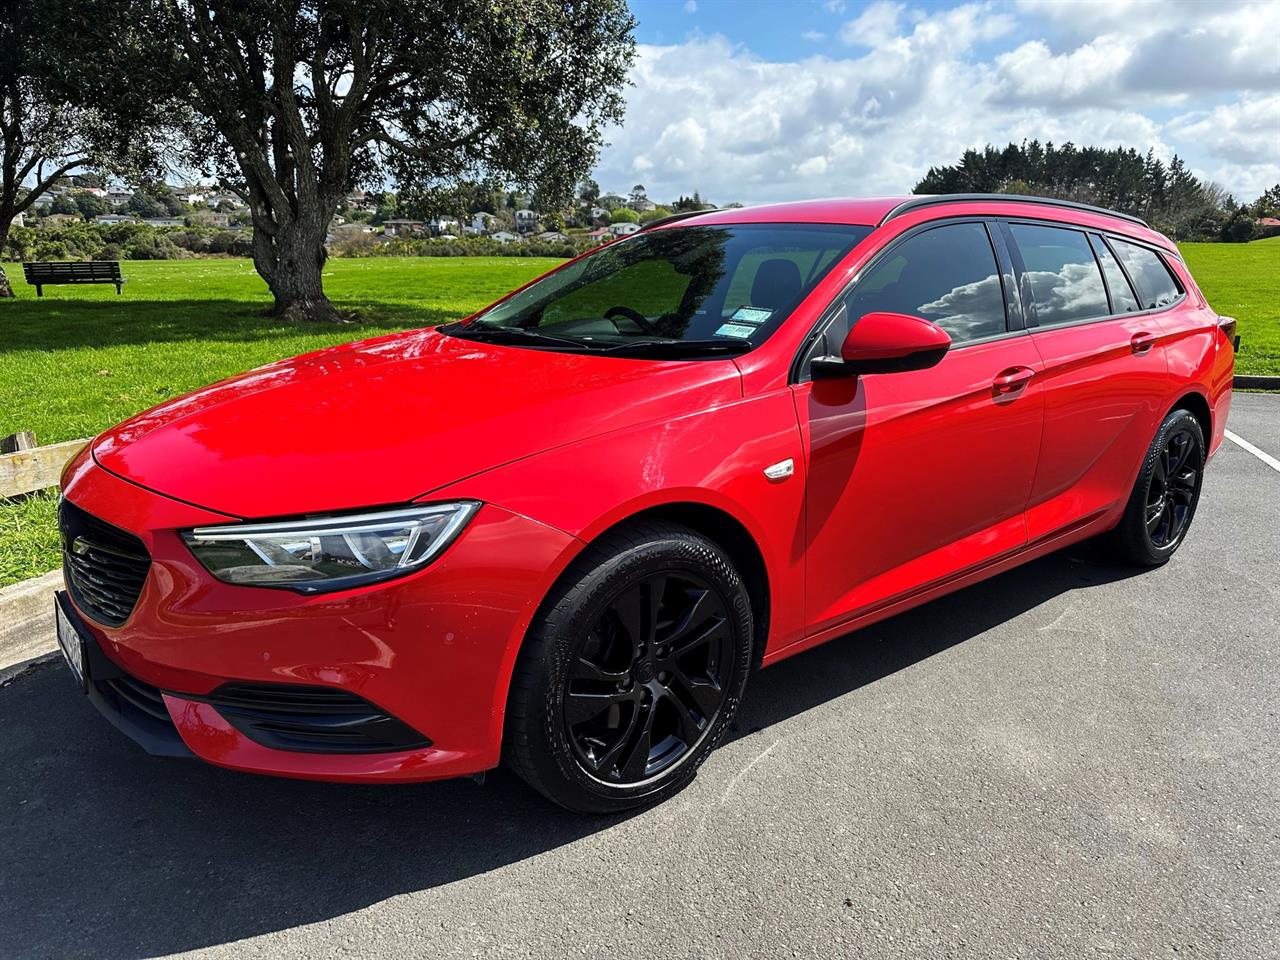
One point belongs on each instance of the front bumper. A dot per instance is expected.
(433, 650)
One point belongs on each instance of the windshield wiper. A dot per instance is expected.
(679, 348)
(513, 335)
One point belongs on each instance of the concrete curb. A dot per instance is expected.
(1256, 382)
(26, 623)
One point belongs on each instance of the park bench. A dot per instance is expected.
(40, 274)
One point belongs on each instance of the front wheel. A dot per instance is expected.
(632, 672)
(1163, 501)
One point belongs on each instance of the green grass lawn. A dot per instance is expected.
(1242, 280)
(82, 358)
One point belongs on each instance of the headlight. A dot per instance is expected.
(319, 554)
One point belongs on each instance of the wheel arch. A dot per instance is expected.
(1198, 405)
(720, 527)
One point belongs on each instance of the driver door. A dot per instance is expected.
(916, 477)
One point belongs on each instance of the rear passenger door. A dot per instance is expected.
(1105, 375)
(916, 476)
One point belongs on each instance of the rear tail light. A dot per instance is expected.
(1228, 327)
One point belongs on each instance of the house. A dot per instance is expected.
(623, 229)
(110, 218)
(190, 194)
(219, 219)
(642, 205)
(44, 200)
(481, 222)
(442, 225)
(599, 213)
(613, 200)
(503, 236)
(552, 236)
(215, 200)
(19, 220)
(162, 221)
(349, 229)
(359, 200)
(119, 197)
(401, 228)
(526, 220)
(600, 236)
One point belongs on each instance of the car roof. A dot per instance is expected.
(877, 211)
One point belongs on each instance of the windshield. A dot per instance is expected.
(683, 291)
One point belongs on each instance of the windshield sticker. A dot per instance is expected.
(735, 330)
(753, 315)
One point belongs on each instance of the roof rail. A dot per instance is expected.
(932, 199)
(682, 215)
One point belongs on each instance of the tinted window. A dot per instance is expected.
(1059, 267)
(947, 275)
(689, 283)
(1155, 284)
(1122, 298)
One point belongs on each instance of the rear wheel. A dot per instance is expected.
(633, 671)
(1163, 501)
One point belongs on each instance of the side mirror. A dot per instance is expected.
(885, 343)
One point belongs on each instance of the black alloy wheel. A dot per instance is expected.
(632, 670)
(650, 678)
(1163, 501)
(1173, 488)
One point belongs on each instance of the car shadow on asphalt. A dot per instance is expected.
(112, 854)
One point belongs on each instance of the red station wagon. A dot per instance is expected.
(564, 531)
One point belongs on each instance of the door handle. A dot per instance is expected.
(1012, 380)
(1140, 343)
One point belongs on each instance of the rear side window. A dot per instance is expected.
(947, 274)
(1063, 276)
(1122, 298)
(1156, 286)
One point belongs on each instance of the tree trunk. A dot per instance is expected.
(6, 291)
(291, 262)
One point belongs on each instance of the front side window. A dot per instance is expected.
(946, 274)
(681, 291)
(1156, 286)
(1062, 274)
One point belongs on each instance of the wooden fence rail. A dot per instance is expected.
(26, 469)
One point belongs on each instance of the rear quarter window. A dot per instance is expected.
(1155, 284)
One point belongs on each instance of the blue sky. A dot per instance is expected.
(757, 100)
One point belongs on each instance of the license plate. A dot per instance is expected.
(69, 640)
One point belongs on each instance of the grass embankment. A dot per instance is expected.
(1242, 280)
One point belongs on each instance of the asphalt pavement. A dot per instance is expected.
(1071, 760)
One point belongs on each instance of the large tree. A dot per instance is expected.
(297, 102)
(53, 119)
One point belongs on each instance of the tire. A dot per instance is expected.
(612, 706)
(1160, 509)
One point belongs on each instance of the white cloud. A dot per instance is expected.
(876, 24)
(690, 6)
(814, 36)
(712, 116)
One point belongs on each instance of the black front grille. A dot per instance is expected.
(312, 719)
(104, 566)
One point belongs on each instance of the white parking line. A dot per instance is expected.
(1262, 455)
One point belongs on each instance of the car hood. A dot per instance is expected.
(387, 420)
